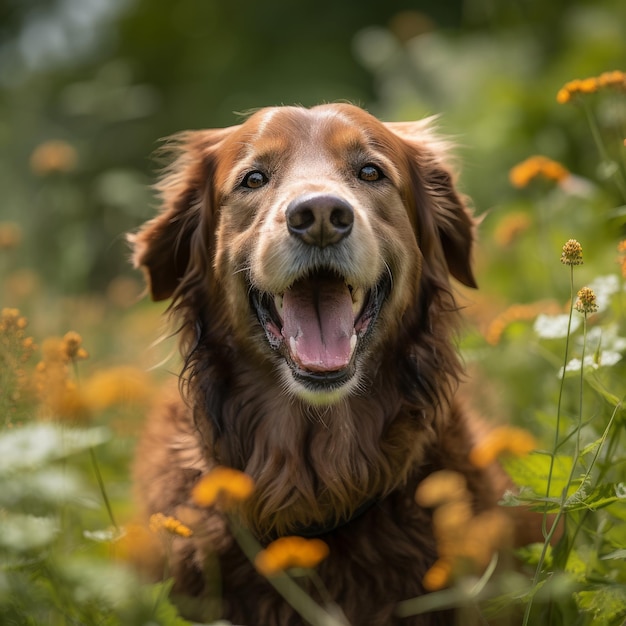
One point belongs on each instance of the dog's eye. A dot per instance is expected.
(370, 173)
(254, 180)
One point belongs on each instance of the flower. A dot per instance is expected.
(222, 481)
(505, 439)
(511, 227)
(535, 166)
(572, 253)
(465, 541)
(116, 385)
(517, 313)
(440, 487)
(71, 347)
(53, 156)
(615, 79)
(288, 552)
(159, 522)
(10, 235)
(586, 302)
(621, 248)
(438, 576)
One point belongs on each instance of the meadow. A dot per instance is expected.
(543, 344)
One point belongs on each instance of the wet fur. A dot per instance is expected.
(314, 463)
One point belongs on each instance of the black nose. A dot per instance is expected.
(320, 219)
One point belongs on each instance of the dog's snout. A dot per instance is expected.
(320, 220)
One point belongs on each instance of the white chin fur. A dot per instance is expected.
(317, 398)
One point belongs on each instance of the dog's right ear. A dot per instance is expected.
(162, 246)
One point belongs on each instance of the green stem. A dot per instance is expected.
(549, 534)
(286, 586)
(105, 497)
(604, 155)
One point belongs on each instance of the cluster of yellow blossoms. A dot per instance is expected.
(465, 542)
(536, 166)
(499, 441)
(614, 79)
(226, 486)
(621, 248)
(222, 482)
(517, 313)
(288, 552)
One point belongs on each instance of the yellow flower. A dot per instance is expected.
(621, 248)
(572, 253)
(71, 347)
(288, 552)
(517, 313)
(511, 227)
(586, 302)
(159, 522)
(440, 487)
(438, 576)
(505, 439)
(222, 481)
(53, 156)
(615, 79)
(10, 235)
(116, 385)
(535, 166)
(465, 541)
(11, 320)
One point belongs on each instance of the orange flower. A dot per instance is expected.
(288, 552)
(465, 542)
(10, 235)
(586, 301)
(53, 156)
(440, 487)
(438, 576)
(159, 522)
(505, 439)
(572, 253)
(511, 227)
(116, 385)
(621, 248)
(615, 79)
(535, 166)
(222, 481)
(517, 313)
(71, 347)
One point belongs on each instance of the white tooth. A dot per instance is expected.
(278, 303)
(357, 301)
(352, 344)
(292, 345)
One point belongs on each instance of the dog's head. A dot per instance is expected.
(316, 229)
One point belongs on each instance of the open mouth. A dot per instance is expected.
(319, 324)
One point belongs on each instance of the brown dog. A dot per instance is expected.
(308, 255)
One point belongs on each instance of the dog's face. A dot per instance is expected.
(317, 228)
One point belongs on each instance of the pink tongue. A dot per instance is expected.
(318, 323)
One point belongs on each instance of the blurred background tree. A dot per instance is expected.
(89, 86)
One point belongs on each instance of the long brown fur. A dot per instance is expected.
(315, 462)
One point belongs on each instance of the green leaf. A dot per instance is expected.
(617, 554)
(597, 498)
(606, 603)
(531, 472)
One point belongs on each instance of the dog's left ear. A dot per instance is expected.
(453, 221)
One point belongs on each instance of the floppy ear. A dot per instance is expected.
(162, 246)
(452, 219)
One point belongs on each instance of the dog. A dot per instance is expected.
(309, 257)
